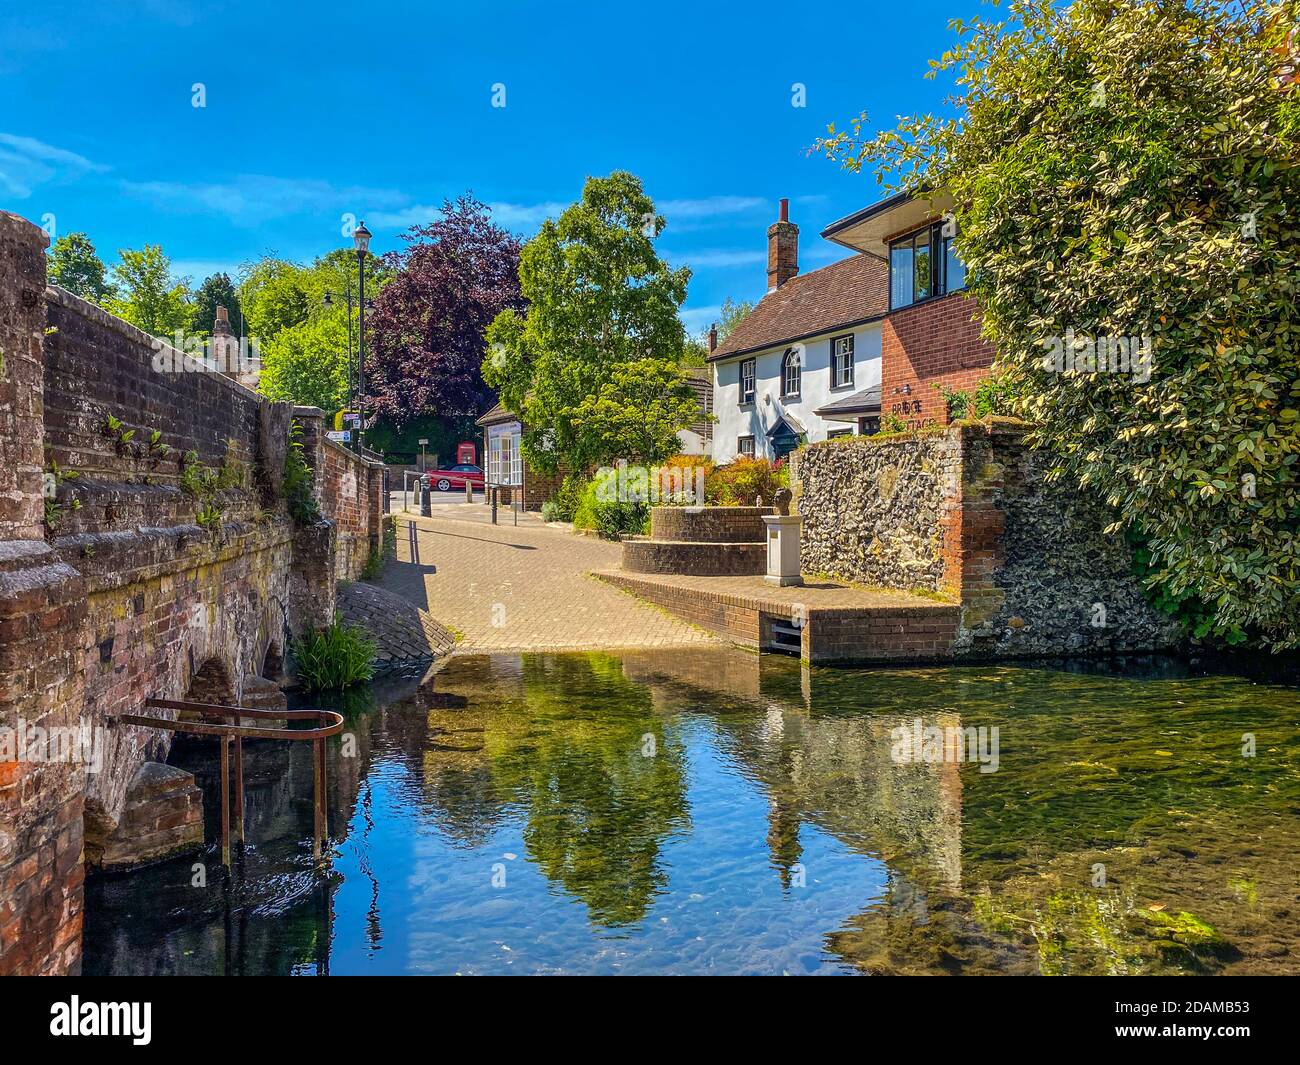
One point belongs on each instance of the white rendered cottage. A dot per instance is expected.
(804, 365)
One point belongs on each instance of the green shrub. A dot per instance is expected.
(334, 657)
(742, 481)
(993, 396)
(609, 519)
(564, 504)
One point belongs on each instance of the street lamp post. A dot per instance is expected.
(347, 296)
(361, 239)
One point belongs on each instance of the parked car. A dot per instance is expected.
(449, 477)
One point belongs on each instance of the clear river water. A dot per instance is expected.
(713, 811)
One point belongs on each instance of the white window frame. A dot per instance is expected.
(747, 394)
(740, 447)
(837, 355)
(791, 370)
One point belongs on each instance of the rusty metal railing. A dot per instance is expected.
(232, 736)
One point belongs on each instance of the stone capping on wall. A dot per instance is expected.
(101, 317)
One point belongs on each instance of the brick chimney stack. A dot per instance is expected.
(223, 348)
(782, 249)
(713, 337)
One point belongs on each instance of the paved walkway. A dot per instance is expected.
(504, 588)
(403, 633)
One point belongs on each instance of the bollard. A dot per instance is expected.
(426, 508)
(469, 491)
(494, 504)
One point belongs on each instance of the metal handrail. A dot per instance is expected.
(234, 735)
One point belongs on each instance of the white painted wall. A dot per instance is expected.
(690, 443)
(758, 418)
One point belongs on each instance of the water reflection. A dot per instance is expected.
(714, 811)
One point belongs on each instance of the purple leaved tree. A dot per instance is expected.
(426, 332)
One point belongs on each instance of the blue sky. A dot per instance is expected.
(385, 109)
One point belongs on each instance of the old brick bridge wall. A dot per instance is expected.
(145, 550)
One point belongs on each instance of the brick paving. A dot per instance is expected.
(507, 588)
(403, 631)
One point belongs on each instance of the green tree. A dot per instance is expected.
(307, 363)
(303, 341)
(147, 295)
(216, 291)
(1131, 169)
(599, 299)
(636, 413)
(73, 264)
(274, 295)
(731, 314)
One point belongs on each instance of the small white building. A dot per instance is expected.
(804, 365)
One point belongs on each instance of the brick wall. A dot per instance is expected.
(350, 491)
(113, 590)
(929, 344)
(710, 524)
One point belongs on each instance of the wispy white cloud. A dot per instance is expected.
(709, 206)
(716, 258)
(527, 217)
(252, 199)
(698, 319)
(26, 163)
(198, 270)
(515, 216)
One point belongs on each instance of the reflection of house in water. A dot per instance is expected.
(821, 766)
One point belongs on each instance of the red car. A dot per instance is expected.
(449, 477)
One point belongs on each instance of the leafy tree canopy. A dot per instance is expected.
(732, 313)
(303, 341)
(274, 295)
(599, 299)
(636, 412)
(307, 363)
(455, 276)
(1131, 169)
(73, 264)
(147, 295)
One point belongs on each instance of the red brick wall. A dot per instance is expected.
(349, 490)
(124, 596)
(932, 343)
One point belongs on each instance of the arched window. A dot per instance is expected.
(791, 371)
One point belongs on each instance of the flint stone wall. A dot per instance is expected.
(967, 513)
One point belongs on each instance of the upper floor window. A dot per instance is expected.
(923, 264)
(747, 381)
(791, 367)
(842, 361)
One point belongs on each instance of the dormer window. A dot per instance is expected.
(922, 265)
